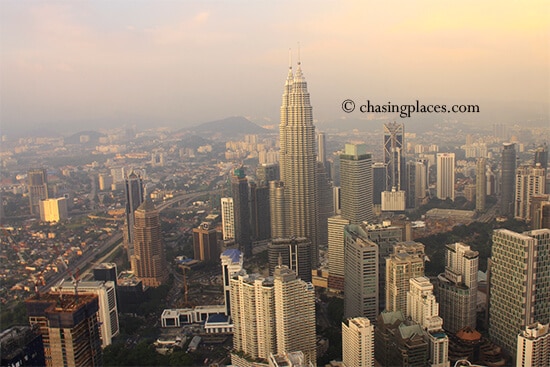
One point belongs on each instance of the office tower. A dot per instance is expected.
(361, 296)
(358, 342)
(423, 309)
(457, 287)
(260, 218)
(298, 161)
(228, 219)
(417, 184)
(529, 181)
(278, 209)
(294, 314)
(541, 156)
(267, 172)
(356, 184)
(107, 314)
(292, 252)
(130, 292)
(336, 226)
(205, 242)
(133, 189)
(37, 181)
(105, 181)
(394, 145)
(379, 182)
(21, 346)
(239, 192)
(232, 263)
(508, 172)
(325, 204)
(149, 260)
(69, 328)
(321, 147)
(406, 262)
(534, 346)
(253, 314)
(481, 184)
(519, 284)
(446, 176)
(540, 204)
(398, 342)
(53, 210)
(336, 200)
(393, 201)
(335, 169)
(106, 272)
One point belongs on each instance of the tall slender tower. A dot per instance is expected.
(481, 184)
(356, 184)
(406, 262)
(133, 188)
(394, 143)
(519, 284)
(241, 208)
(530, 181)
(228, 218)
(149, 260)
(358, 342)
(38, 189)
(298, 161)
(446, 176)
(508, 179)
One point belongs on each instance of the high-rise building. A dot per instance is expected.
(241, 208)
(21, 346)
(294, 314)
(292, 252)
(481, 184)
(519, 284)
(228, 219)
(260, 217)
(107, 313)
(379, 182)
(540, 204)
(356, 184)
(446, 176)
(541, 156)
(321, 147)
(69, 328)
(361, 296)
(358, 342)
(457, 288)
(37, 181)
(267, 172)
(298, 161)
(53, 210)
(205, 242)
(508, 173)
(423, 309)
(149, 260)
(406, 262)
(336, 241)
(232, 263)
(133, 189)
(417, 183)
(325, 204)
(106, 272)
(278, 209)
(529, 181)
(534, 346)
(394, 145)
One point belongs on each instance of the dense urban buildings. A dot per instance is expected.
(446, 176)
(358, 342)
(149, 260)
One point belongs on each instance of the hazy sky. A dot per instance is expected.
(105, 63)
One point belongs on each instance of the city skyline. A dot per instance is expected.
(88, 63)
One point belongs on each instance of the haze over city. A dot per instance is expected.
(68, 66)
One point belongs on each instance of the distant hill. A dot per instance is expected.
(75, 138)
(228, 127)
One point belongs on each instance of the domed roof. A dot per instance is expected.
(469, 334)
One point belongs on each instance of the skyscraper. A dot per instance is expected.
(534, 346)
(508, 173)
(530, 181)
(541, 156)
(361, 296)
(228, 219)
(336, 241)
(406, 262)
(379, 182)
(394, 145)
(321, 147)
(133, 188)
(446, 176)
(356, 184)
(149, 260)
(241, 208)
(37, 181)
(457, 287)
(69, 328)
(278, 209)
(325, 204)
(417, 183)
(519, 284)
(298, 161)
(53, 210)
(481, 184)
(260, 216)
(232, 263)
(358, 342)
(205, 242)
(292, 252)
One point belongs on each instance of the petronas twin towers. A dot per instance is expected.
(298, 164)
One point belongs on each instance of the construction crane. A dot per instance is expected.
(184, 268)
